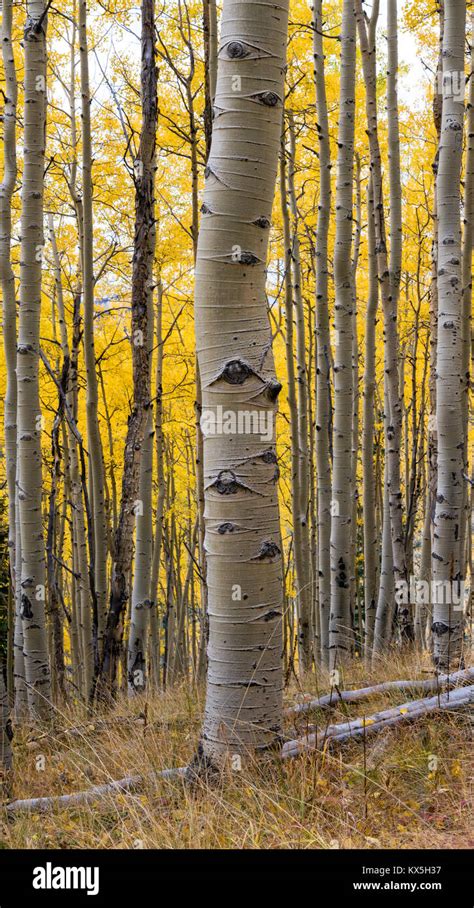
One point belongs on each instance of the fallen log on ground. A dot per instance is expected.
(363, 693)
(338, 733)
(356, 728)
(128, 784)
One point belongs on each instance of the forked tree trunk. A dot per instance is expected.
(29, 413)
(79, 536)
(340, 630)
(447, 555)
(323, 344)
(244, 690)
(142, 345)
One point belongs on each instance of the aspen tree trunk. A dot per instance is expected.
(160, 479)
(6, 756)
(386, 594)
(79, 537)
(29, 414)
(447, 556)
(323, 344)
(7, 278)
(209, 20)
(340, 630)
(96, 465)
(297, 403)
(368, 436)
(244, 691)
(467, 245)
(144, 253)
(432, 430)
(389, 279)
(355, 606)
(142, 333)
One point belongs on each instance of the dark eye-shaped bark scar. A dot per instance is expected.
(268, 551)
(235, 372)
(205, 209)
(224, 528)
(241, 50)
(268, 456)
(246, 258)
(268, 98)
(227, 483)
(273, 389)
(25, 608)
(262, 222)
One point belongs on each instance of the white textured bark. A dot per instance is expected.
(389, 279)
(467, 246)
(7, 276)
(243, 703)
(323, 343)
(37, 669)
(96, 465)
(79, 537)
(368, 437)
(298, 457)
(9, 342)
(340, 630)
(447, 556)
(160, 481)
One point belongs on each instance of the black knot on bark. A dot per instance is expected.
(440, 628)
(248, 258)
(226, 528)
(25, 607)
(268, 550)
(269, 457)
(205, 209)
(226, 483)
(269, 98)
(236, 50)
(273, 388)
(235, 372)
(262, 222)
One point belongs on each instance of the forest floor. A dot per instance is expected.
(410, 786)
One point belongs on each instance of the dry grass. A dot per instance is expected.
(386, 797)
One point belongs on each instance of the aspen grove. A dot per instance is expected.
(237, 462)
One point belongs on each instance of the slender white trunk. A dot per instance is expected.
(447, 556)
(340, 630)
(323, 344)
(368, 437)
(37, 669)
(244, 690)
